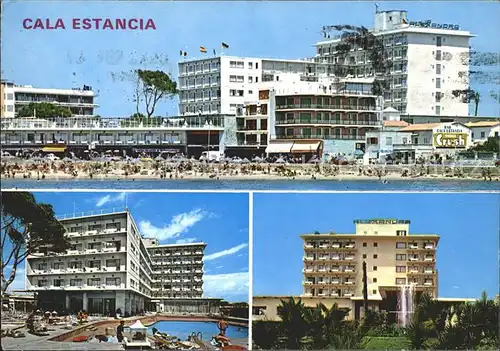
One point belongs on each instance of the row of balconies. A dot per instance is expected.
(326, 282)
(79, 287)
(176, 262)
(329, 258)
(415, 246)
(349, 270)
(179, 288)
(94, 251)
(350, 122)
(178, 271)
(421, 259)
(95, 142)
(327, 107)
(332, 293)
(199, 71)
(416, 270)
(177, 253)
(95, 232)
(325, 246)
(76, 270)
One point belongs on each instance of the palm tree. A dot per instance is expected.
(476, 97)
(294, 326)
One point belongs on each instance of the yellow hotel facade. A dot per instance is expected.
(333, 268)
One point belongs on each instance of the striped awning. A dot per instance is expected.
(305, 146)
(279, 148)
(54, 149)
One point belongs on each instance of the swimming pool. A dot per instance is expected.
(183, 329)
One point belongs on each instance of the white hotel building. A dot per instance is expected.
(428, 63)
(80, 101)
(110, 266)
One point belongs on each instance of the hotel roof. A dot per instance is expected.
(482, 124)
(396, 124)
(420, 127)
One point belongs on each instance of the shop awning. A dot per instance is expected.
(306, 146)
(54, 149)
(279, 148)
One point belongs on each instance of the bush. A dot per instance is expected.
(386, 343)
(265, 334)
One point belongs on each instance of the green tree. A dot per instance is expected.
(44, 110)
(26, 227)
(151, 87)
(490, 145)
(293, 323)
(467, 96)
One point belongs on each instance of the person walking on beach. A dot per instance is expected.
(119, 331)
(222, 325)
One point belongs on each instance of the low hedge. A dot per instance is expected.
(386, 343)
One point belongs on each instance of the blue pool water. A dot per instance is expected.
(288, 185)
(208, 329)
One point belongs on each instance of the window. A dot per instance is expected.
(400, 245)
(438, 55)
(374, 268)
(400, 257)
(438, 83)
(256, 79)
(364, 244)
(250, 79)
(58, 282)
(256, 65)
(438, 69)
(401, 232)
(250, 65)
(438, 96)
(388, 141)
(375, 256)
(364, 255)
(438, 110)
(400, 281)
(438, 41)
(374, 280)
(236, 64)
(375, 244)
(374, 292)
(400, 269)
(483, 134)
(236, 79)
(10, 96)
(10, 108)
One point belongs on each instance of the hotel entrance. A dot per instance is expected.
(102, 306)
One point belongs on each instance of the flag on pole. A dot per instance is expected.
(203, 49)
(215, 53)
(225, 46)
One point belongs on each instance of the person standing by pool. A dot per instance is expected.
(119, 331)
(222, 325)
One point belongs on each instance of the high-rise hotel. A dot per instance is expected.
(110, 266)
(399, 265)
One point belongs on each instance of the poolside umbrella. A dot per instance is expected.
(257, 159)
(245, 160)
(280, 160)
(67, 159)
(358, 152)
(159, 158)
(314, 160)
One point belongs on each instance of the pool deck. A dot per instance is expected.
(59, 338)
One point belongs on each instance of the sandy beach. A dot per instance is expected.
(194, 170)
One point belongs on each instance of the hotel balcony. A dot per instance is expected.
(350, 246)
(349, 270)
(326, 107)
(413, 246)
(324, 246)
(322, 295)
(334, 294)
(429, 246)
(429, 271)
(335, 281)
(348, 294)
(336, 122)
(307, 258)
(336, 246)
(307, 283)
(324, 137)
(429, 258)
(413, 259)
(308, 246)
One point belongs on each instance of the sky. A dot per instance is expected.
(277, 29)
(218, 219)
(468, 223)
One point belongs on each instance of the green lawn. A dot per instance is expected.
(386, 343)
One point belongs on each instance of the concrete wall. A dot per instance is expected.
(272, 302)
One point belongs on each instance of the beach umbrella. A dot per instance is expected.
(67, 159)
(280, 160)
(257, 159)
(159, 158)
(245, 160)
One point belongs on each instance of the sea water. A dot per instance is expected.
(262, 185)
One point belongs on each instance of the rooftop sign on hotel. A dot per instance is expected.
(381, 221)
(430, 24)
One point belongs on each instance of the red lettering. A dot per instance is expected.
(59, 24)
(38, 24)
(87, 23)
(27, 23)
(150, 24)
(121, 23)
(107, 24)
(97, 21)
(132, 20)
(76, 23)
